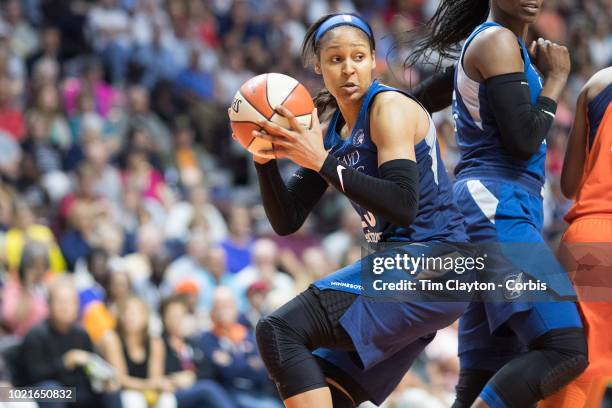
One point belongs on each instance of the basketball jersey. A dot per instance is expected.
(594, 196)
(438, 218)
(477, 134)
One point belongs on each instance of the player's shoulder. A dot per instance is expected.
(494, 38)
(393, 101)
(494, 45)
(597, 83)
(494, 51)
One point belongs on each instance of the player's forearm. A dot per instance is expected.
(393, 197)
(436, 92)
(553, 87)
(522, 126)
(287, 206)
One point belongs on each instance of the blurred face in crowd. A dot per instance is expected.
(224, 311)
(108, 3)
(316, 262)
(63, 305)
(23, 216)
(346, 62)
(526, 12)
(138, 99)
(119, 286)
(240, 221)
(134, 316)
(5, 89)
(173, 318)
(96, 152)
(50, 40)
(216, 262)
(265, 254)
(48, 99)
(36, 270)
(198, 247)
(13, 12)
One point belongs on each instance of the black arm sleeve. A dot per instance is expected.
(287, 206)
(436, 92)
(394, 196)
(522, 125)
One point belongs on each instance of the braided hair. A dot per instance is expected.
(452, 23)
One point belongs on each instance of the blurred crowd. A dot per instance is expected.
(135, 253)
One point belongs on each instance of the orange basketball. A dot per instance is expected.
(257, 98)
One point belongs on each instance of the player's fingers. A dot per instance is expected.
(532, 49)
(287, 114)
(314, 122)
(275, 129)
(270, 138)
(277, 152)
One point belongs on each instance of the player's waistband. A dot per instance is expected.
(530, 183)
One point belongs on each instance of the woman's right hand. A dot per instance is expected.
(551, 59)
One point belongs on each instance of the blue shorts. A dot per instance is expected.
(388, 333)
(492, 333)
(381, 379)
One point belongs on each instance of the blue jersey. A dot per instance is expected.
(477, 134)
(596, 111)
(438, 218)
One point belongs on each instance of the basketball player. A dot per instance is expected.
(586, 178)
(503, 108)
(380, 150)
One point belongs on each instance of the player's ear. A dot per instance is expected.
(317, 68)
(373, 59)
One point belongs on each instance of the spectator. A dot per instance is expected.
(11, 120)
(138, 358)
(183, 215)
(47, 107)
(141, 117)
(110, 31)
(24, 40)
(56, 352)
(25, 228)
(157, 59)
(264, 268)
(50, 49)
(24, 302)
(237, 365)
(185, 365)
(239, 243)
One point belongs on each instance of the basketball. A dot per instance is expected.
(256, 100)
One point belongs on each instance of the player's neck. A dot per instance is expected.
(518, 27)
(350, 114)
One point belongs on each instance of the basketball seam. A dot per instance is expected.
(254, 105)
(289, 94)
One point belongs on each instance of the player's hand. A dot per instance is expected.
(551, 59)
(302, 146)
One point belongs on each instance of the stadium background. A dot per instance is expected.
(116, 155)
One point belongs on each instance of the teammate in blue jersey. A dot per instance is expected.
(512, 354)
(332, 344)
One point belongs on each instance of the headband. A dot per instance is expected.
(342, 19)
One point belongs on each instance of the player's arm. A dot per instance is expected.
(575, 154)
(436, 92)
(287, 205)
(494, 58)
(393, 195)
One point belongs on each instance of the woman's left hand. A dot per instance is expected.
(302, 146)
